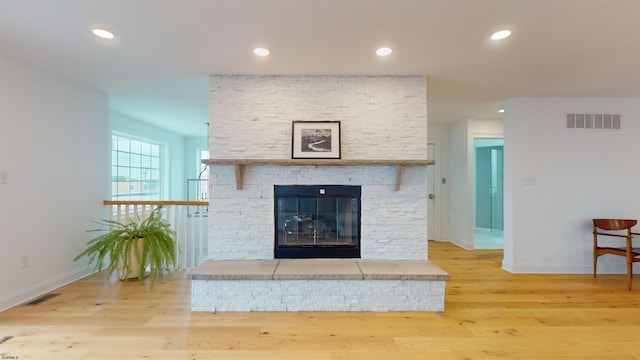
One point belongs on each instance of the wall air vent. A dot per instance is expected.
(41, 299)
(594, 121)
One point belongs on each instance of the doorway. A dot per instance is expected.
(489, 194)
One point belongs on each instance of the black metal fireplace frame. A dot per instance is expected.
(315, 251)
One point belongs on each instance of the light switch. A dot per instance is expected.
(529, 180)
(4, 178)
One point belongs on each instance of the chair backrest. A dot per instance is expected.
(614, 224)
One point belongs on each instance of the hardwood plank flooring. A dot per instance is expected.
(490, 314)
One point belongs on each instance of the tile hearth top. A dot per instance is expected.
(318, 269)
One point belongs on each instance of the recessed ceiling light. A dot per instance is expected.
(383, 51)
(105, 34)
(502, 34)
(261, 51)
(501, 111)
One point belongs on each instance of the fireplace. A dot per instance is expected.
(317, 221)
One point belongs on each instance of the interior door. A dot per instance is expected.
(431, 206)
(497, 189)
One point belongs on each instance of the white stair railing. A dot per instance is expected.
(188, 220)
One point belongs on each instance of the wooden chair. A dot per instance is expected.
(616, 228)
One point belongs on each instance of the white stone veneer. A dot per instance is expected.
(393, 222)
(382, 117)
(317, 295)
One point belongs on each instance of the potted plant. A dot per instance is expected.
(135, 248)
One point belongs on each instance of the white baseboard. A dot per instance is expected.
(464, 246)
(537, 268)
(37, 290)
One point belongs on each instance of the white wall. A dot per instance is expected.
(460, 209)
(174, 166)
(53, 150)
(579, 175)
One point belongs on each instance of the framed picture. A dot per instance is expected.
(315, 140)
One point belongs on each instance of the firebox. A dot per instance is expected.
(317, 221)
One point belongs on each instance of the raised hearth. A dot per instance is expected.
(318, 285)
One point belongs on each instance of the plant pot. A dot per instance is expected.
(135, 264)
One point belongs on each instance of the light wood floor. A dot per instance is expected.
(490, 314)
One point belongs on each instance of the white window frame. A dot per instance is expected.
(163, 183)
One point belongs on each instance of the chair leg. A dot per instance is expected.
(629, 270)
(595, 250)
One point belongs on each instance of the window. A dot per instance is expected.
(135, 169)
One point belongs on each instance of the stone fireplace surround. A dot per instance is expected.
(251, 156)
(393, 222)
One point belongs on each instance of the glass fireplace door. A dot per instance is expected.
(317, 225)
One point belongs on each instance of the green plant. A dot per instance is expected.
(121, 240)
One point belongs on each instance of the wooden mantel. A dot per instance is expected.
(239, 165)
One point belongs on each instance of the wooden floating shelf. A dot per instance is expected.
(239, 165)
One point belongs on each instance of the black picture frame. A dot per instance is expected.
(315, 140)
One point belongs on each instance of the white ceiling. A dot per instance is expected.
(156, 69)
